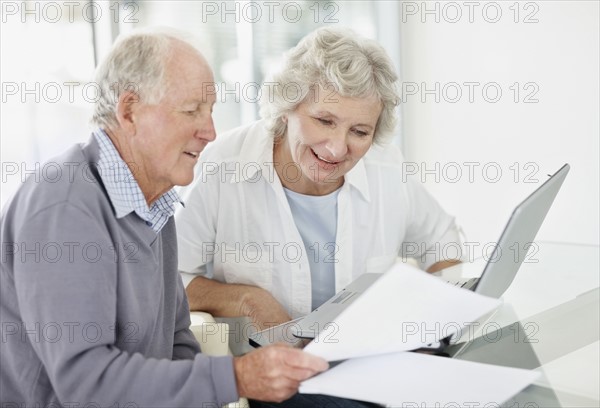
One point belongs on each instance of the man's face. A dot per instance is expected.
(170, 135)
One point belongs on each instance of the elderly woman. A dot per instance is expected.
(290, 209)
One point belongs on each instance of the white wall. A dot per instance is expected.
(558, 56)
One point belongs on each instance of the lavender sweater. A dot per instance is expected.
(92, 308)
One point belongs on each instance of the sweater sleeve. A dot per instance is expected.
(68, 304)
(185, 346)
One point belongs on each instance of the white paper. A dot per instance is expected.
(417, 380)
(405, 309)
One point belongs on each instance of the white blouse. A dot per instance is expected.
(237, 226)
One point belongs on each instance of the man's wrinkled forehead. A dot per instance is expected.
(189, 76)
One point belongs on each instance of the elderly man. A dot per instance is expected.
(93, 310)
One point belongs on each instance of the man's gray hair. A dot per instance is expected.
(137, 62)
(336, 59)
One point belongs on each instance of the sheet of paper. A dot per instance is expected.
(405, 309)
(407, 379)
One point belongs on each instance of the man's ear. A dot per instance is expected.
(126, 107)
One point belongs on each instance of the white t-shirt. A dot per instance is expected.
(316, 219)
(237, 225)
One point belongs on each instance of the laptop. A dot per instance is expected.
(521, 229)
(498, 273)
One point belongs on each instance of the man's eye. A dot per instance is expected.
(360, 133)
(325, 121)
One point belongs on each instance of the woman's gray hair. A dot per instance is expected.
(137, 62)
(335, 59)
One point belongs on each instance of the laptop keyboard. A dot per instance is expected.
(464, 284)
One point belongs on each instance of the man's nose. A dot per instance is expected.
(206, 129)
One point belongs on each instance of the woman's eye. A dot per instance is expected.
(360, 133)
(324, 121)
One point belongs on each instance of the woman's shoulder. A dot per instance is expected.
(229, 145)
(384, 155)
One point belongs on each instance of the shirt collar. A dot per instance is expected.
(357, 178)
(257, 153)
(123, 190)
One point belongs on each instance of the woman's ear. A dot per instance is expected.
(126, 106)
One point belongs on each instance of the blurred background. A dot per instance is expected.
(495, 95)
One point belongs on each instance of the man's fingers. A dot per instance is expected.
(299, 359)
(274, 373)
(296, 364)
(299, 374)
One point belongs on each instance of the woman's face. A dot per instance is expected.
(326, 136)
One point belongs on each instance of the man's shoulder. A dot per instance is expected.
(69, 178)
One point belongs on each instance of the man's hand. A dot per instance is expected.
(274, 373)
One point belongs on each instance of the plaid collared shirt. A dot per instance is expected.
(125, 193)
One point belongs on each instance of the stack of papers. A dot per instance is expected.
(420, 380)
(404, 310)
